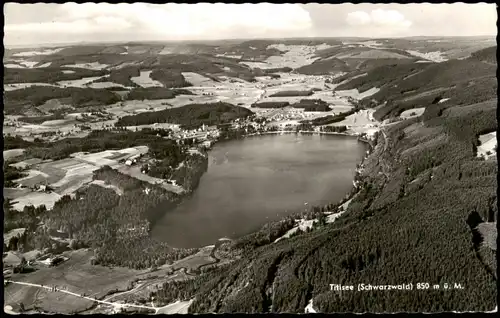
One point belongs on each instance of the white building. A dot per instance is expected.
(207, 144)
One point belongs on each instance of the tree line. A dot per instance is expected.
(189, 115)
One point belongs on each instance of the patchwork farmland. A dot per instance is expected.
(66, 176)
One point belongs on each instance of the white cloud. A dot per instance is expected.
(173, 21)
(71, 22)
(379, 18)
(389, 18)
(358, 18)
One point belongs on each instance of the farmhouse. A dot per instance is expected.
(172, 182)
(54, 261)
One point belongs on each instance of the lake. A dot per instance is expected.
(258, 179)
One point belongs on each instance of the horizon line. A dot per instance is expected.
(28, 45)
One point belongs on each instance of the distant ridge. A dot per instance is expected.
(226, 41)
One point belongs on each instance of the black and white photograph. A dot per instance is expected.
(257, 158)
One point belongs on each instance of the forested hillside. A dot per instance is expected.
(432, 85)
(189, 115)
(46, 75)
(21, 100)
(140, 93)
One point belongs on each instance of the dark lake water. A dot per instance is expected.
(261, 178)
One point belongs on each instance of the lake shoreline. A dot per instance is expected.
(310, 132)
(187, 196)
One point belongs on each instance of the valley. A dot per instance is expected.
(113, 152)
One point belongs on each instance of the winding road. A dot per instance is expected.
(116, 305)
(179, 306)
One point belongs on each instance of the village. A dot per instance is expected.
(56, 178)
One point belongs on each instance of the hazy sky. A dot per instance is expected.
(70, 22)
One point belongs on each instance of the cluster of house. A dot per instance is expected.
(202, 134)
(290, 115)
(133, 159)
(248, 124)
(22, 265)
(39, 187)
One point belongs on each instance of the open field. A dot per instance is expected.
(12, 153)
(36, 199)
(303, 224)
(32, 174)
(68, 175)
(63, 128)
(90, 66)
(53, 104)
(38, 52)
(14, 86)
(101, 183)
(72, 182)
(19, 63)
(12, 258)
(129, 107)
(193, 262)
(354, 93)
(488, 142)
(360, 122)
(436, 56)
(26, 163)
(489, 233)
(99, 85)
(14, 193)
(198, 79)
(372, 54)
(78, 282)
(135, 172)
(300, 82)
(79, 82)
(295, 56)
(148, 281)
(145, 80)
(11, 65)
(76, 275)
(179, 307)
(59, 123)
(410, 113)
